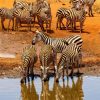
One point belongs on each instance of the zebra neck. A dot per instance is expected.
(46, 39)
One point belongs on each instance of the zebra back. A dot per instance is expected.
(46, 55)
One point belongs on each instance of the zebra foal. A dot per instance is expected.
(29, 58)
(47, 57)
(69, 57)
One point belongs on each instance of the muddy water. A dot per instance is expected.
(82, 88)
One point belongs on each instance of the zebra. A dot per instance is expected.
(21, 5)
(29, 58)
(69, 57)
(47, 56)
(60, 14)
(59, 44)
(42, 10)
(6, 13)
(22, 16)
(72, 16)
(88, 3)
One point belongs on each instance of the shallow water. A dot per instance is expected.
(83, 88)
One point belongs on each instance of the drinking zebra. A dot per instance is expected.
(47, 56)
(59, 44)
(29, 58)
(69, 57)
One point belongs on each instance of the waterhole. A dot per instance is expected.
(78, 88)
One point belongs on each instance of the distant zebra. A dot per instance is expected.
(59, 44)
(22, 16)
(74, 3)
(88, 3)
(72, 16)
(6, 13)
(21, 5)
(69, 57)
(42, 10)
(47, 56)
(29, 58)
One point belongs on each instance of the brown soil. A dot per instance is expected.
(14, 42)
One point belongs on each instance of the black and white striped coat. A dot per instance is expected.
(47, 56)
(22, 16)
(42, 11)
(72, 16)
(29, 58)
(69, 57)
(58, 43)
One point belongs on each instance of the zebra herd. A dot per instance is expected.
(69, 47)
(26, 13)
(75, 14)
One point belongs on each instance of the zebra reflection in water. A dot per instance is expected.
(70, 89)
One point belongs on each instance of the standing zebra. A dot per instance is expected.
(6, 13)
(88, 3)
(29, 58)
(42, 10)
(22, 16)
(21, 5)
(47, 56)
(59, 44)
(69, 57)
(72, 16)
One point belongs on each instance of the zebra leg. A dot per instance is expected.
(57, 24)
(81, 24)
(2, 23)
(31, 70)
(91, 11)
(8, 24)
(13, 24)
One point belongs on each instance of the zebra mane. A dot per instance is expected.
(45, 34)
(65, 42)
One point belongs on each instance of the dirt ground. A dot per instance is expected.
(13, 42)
